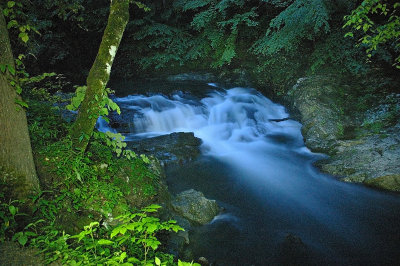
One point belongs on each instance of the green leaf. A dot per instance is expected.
(12, 23)
(23, 36)
(145, 158)
(3, 68)
(12, 210)
(151, 228)
(18, 89)
(349, 34)
(11, 69)
(157, 261)
(21, 103)
(22, 239)
(6, 11)
(105, 242)
(10, 4)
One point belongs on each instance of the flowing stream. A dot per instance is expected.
(255, 164)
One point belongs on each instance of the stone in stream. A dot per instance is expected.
(176, 147)
(192, 205)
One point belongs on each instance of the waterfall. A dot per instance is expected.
(263, 175)
(222, 120)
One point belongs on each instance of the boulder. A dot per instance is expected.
(172, 148)
(192, 205)
(317, 100)
(363, 144)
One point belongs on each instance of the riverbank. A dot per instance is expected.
(358, 130)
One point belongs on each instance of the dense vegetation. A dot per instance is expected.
(274, 41)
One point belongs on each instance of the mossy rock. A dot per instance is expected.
(192, 205)
(387, 182)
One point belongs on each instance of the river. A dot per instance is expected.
(278, 208)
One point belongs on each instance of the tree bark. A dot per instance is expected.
(99, 74)
(15, 148)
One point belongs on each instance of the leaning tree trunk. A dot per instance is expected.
(16, 158)
(99, 74)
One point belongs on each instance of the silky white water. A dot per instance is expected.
(256, 166)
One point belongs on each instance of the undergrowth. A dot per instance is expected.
(91, 209)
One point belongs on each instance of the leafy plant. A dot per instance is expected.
(132, 242)
(379, 24)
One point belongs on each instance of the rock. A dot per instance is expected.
(203, 77)
(13, 254)
(192, 205)
(388, 182)
(177, 242)
(203, 261)
(236, 77)
(173, 148)
(317, 100)
(365, 158)
(370, 150)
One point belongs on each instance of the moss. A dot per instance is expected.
(388, 182)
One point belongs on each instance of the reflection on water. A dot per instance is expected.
(259, 170)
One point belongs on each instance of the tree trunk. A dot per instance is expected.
(99, 74)
(15, 148)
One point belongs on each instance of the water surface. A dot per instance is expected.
(260, 172)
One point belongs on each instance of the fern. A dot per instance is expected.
(194, 4)
(203, 19)
(164, 45)
(223, 5)
(304, 19)
(245, 18)
(229, 52)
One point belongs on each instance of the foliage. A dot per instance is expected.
(337, 54)
(106, 103)
(132, 242)
(9, 211)
(17, 20)
(379, 24)
(167, 43)
(303, 19)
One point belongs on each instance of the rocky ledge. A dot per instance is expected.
(363, 143)
(177, 147)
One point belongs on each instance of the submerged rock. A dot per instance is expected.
(192, 205)
(293, 252)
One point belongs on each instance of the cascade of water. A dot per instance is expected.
(221, 120)
(270, 185)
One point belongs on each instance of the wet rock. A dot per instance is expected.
(236, 77)
(173, 148)
(192, 205)
(203, 77)
(365, 158)
(389, 182)
(203, 261)
(316, 99)
(371, 151)
(177, 242)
